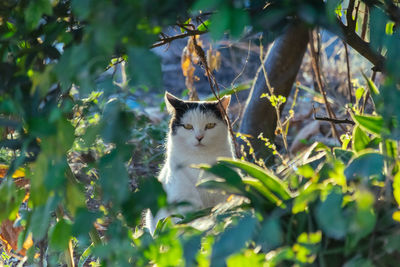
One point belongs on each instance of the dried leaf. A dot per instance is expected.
(9, 237)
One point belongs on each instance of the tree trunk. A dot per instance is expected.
(281, 64)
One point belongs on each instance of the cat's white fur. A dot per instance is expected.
(177, 176)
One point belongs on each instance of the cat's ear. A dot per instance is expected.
(172, 102)
(225, 100)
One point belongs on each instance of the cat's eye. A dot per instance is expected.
(210, 125)
(188, 126)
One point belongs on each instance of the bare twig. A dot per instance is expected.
(215, 90)
(351, 99)
(167, 40)
(338, 121)
(362, 47)
(315, 66)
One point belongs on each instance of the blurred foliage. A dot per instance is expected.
(58, 104)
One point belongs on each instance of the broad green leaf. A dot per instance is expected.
(40, 219)
(60, 235)
(219, 22)
(365, 165)
(232, 240)
(223, 170)
(263, 190)
(372, 124)
(238, 20)
(271, 234)
(149, 196)
(330, 216)
(220, 185)
(75, 197)
(144, 67)
(191, 246)
(360, 139)
(272, 182)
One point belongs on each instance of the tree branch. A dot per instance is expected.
(362, 47)
(167, 40)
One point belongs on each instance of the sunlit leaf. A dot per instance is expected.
(272, 182)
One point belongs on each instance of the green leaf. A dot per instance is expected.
(219, 22)
(360, 139)
(365, 165)
(75, 197)
(232, 240)
(372, 124)
(359, 93)
(35, 10)
(239, 19)
(271, 234)
(85, 255)
(306, 195)
(223, 170)
(263, 190)
(204, 26)
(144, 67)
(373, 90)
(220, 185)
(363, 220)
(305, 171)
(40, 219)
(330, 216)
(191, 247)
(149, 196)
(60, 235)
(272, 182)
(247, 258)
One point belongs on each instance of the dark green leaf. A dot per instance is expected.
(232, 240)
(60, 235)
(330, 216)
(365, 165)
(144, 67)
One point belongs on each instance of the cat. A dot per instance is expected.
(198, 133)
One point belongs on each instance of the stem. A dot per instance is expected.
(351, 98)
(314, 62)
(214, 85)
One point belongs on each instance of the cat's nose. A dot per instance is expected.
(199, 137)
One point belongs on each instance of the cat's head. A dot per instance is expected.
(198, 124)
